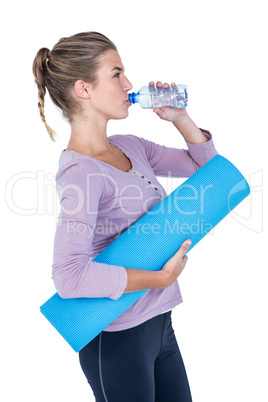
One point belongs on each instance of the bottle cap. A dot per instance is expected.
(133, 97)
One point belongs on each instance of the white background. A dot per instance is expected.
(219, 49)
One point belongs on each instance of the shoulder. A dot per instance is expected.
(79, 178)
(75, 168)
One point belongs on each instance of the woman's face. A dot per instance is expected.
(109, 96)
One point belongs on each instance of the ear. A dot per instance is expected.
(81, 89)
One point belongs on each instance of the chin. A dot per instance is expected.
(120, 116)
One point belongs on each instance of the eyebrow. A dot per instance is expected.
(117, 68)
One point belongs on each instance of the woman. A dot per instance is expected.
(104, 185)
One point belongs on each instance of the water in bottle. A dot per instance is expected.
(151, 96)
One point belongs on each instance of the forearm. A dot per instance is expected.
(139, 279)
(189, 130)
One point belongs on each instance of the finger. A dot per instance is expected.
(183, 248)
(180, 254)
(160, 112)
(184, 261)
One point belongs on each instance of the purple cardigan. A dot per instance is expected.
(98, 202)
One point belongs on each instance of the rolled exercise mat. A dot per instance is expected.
(190, 211)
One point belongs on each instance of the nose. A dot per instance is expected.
(127, 85)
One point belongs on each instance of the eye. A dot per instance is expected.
(117, 75)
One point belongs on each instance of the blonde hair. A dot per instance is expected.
(72, 58)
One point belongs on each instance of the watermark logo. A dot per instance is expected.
(41, 193)
(250, 213)
(35, 193)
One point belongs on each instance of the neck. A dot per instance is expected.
(89, 136)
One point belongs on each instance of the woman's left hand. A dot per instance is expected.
(169, 113)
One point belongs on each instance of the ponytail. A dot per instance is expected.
(39, 71)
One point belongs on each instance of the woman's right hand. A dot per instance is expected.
(141, 279)
(175, 265)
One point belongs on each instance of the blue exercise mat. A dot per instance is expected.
(190, 211)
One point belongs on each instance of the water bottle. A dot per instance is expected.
(151, 96)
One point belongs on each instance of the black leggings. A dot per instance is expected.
(140, 364)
